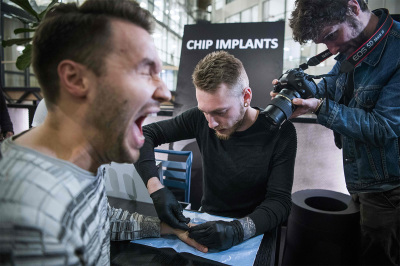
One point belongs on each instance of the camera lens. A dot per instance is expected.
(281, 107)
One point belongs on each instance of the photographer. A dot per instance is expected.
(248, 164)
(362, 107)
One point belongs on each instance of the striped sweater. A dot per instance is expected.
(55, 213)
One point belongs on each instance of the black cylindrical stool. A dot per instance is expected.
(323, 229)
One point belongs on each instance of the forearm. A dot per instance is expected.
(5, 122)
(162, 132)
(270, 214)
(154, 184)
(276, 206)
(249, 228)
(372, 115)
(375, 127)
(130, 226)
(146, 165)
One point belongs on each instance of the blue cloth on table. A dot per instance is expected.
(242, 254)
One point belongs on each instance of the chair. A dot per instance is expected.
(176, 174)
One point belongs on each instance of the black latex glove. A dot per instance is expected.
(168, 209)
(219, 235)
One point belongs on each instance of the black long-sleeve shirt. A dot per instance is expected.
(250, 174)
(5, 121)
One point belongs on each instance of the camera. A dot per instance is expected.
(294, 83)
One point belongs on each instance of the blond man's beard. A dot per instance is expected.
(232, 129)
(222, 136)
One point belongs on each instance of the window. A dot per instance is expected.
(233, 19)
(13, 77)
(250, 14)
(171, 17)
(273, 10)
(158, 11)
(219, 4)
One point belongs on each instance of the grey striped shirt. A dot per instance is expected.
(55, 213)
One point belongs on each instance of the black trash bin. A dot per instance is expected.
(323, 229)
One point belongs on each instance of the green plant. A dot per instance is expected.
(24, 60)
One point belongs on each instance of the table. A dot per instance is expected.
(127, 253)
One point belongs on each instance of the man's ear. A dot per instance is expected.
(354, 7)
(248, 95)
(73, 78)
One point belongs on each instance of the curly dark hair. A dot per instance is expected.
(310, 16)
(217, 68)
(82, 34)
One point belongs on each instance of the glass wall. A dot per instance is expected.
(247, 15)
(170, 16)
(273, 10)
(13, 77)
(218, 4)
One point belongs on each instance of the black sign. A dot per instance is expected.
(258, 45)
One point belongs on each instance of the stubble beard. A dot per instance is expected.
(110, 141)
(358, 40)
(233, 128)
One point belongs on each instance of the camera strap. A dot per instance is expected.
(358, 56)
(348, 89)
(362, 52)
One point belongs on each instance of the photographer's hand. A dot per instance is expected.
(305, 106)
(272, 93)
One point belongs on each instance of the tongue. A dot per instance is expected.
(139, 122)
(138, 135)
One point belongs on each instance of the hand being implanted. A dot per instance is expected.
(183, 235)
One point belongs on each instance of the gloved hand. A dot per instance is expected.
(218, 235)
(168, 209)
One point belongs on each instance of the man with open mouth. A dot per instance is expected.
(99, 72)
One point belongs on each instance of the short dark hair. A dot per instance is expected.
(217, 68)
(310, 16)
(81, 34)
